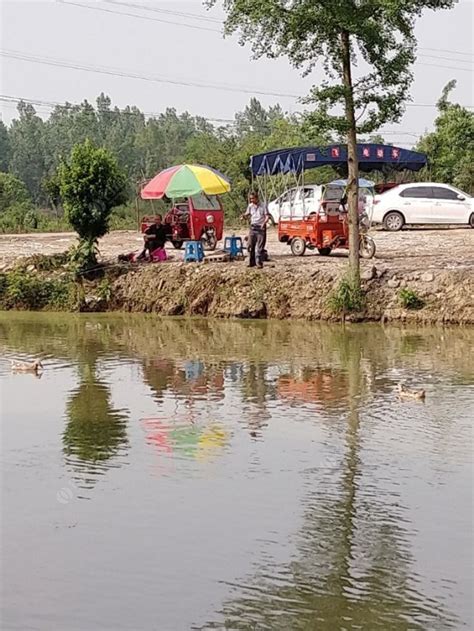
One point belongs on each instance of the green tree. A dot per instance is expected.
(16, 208)
(337, 34)
(27, 159)
(91, 185)
(12, 191)
(254, 119)
(450, 147)
(4, 147)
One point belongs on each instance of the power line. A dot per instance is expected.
(215, 21)
(186, 83)
(462, 61)
(115, 72)
(12, 101)
(139, 17)
(193, 16)
(445, 50)
(423, 63)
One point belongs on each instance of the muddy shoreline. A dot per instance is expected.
(437, 266)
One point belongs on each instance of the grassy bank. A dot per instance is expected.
(223, 290)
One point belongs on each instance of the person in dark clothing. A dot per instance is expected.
(155, 237)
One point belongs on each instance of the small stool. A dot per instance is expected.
(234, 247)
(193, 251)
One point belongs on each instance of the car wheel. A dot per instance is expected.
(471, 220)
(367, 247)
(393, 221)
(298, 246)
(324, 251)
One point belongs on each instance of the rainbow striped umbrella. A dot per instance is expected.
(186, 180)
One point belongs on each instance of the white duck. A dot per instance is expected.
(409, 393)
(33, 367)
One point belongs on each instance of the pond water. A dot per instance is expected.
(187, 474)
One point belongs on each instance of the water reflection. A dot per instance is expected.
(203, 403)
(352, 569)
(95, 431)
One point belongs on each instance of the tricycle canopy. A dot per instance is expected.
(372, 157)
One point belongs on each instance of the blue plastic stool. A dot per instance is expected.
(234, 247)
(193, 251)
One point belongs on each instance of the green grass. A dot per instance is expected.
(410, 299)
(20, 289)
(347, 297)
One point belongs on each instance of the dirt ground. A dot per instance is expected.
(408, 250)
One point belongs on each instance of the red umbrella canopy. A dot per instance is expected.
(186, 180)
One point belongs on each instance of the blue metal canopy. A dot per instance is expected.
(372, 157)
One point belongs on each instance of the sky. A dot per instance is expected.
(163, 43)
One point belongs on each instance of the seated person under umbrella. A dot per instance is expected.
(155, 237)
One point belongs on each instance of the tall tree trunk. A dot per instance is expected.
(352, 163)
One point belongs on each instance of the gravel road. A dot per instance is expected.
(441, 249)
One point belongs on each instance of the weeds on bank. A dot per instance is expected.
(46, 262)
(104, 290)
(410, 299)
(347, 297)
(21, 289)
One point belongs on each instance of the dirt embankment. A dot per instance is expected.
(225, 290)
(436, 265)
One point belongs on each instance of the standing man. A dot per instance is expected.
(259, 217)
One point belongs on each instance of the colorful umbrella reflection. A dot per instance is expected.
(190, 441)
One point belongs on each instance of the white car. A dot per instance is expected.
(304, 200)
(422, 203)
(296, 202)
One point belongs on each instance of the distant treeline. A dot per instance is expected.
(31, 149)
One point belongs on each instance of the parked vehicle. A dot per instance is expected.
(422, 203)
(305, 200)
(296, 202)
(201, 217)
(324, 231)
(197, 212)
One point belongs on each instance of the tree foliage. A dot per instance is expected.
(450, 147)
(91, 184)
(27, 159)
(308, 32)
(16, 208)
(340, 34)
(144, 144)
(4, 147)
(12, 191)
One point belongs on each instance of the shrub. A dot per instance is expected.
(410, 299)
(12, 191)
(347, 297)
(91, 184)
(20, 289)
